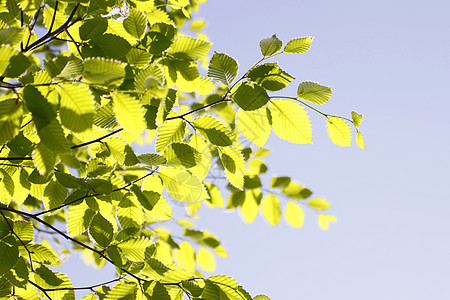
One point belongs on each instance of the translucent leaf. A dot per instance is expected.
(156, 290)
(215, 198)
(106, 42)
(12, 36)
(313, 92)
(185, 256)
(6, 53)
(122, 290)
(137, 249)
(250, 207)
(129, 113)
(206, 260)
(54, 194)
(182, 185)
(234, 164)
(197, 25)
(152, 160)
(48, 279)
(324, 221)
(360, 140)
(175, 276)
(101, 230)
(179, 154)
(250, 96)
(145, 77)
(6, 187)
(298, 45)
(138, 57)
(52, 136)
(158, 16)
(79, 218)
(156, 42)
(105, 72)
(202, 168)
(92, 28)
(135, 24)
(129, 212)
(357, 118)
(9, 254)
(18, 64)
(40, 254)
(270, 76)
(270, 45)
(161, 211)
(194, 49)
(261, 297)
(77, 107)
(213, 130)
(11, 114)
(290, 121)
(229, 287)
(222, 68)
(339, 131)
(254, 125)
(318, 203)
(171, 131)
(271, 209)
(292, 189)
(18, 275)
(294, 215)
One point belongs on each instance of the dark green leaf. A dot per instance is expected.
(250, 96)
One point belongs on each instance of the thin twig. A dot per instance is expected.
(96, 140)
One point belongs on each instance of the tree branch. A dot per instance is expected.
(96, 140)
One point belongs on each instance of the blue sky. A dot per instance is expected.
(390, 61)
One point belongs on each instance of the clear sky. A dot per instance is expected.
(390, 61)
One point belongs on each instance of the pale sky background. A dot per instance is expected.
(390, 61)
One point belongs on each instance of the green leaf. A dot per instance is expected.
(295, 191)
(104, 72)
(146, 77)
(319, 204)
(270, 45)
(185, 256)
(9, 254)
(11, 114)
(324, 221)
(215, 198)
(156, 290)
(357, 119)
(182, 185)
(202, 168)
(122, 290)
(222, 68)
(137, 249)
(313, 92)
(24, 230)
(205, 260)
(112, 45)
(129, 212)
(271, 209)
(69, 181)
(156, 42)
(298, 45)
(170, 132)
(6, 52)
(52, 136)
(254, 125)
(179, 154)
(77, 107)
(99, 186)
(250, 207)
(197, 25)
(339, 131)
(234, 165)
(294, 215)
(39, 253)
(161, 211)
(18, 275)
(135, 24)
(92, 28)
(229, 287)
(250, 96)
(213, 130)
(129, 113)
(360, 140)
(175, 276)
(54, 194)
(192, 48)
(270, 76)
(101, 230)
(12, 36)
(79, 218)
(290, 121)
(48, 279)
(152, 160)
(6, 187)
(18, 64)
(261, 297)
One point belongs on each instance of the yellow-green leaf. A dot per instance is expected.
(202, 168)
(193, 48)
(206, 260)
(339, 131)
(271, 209)
(314, 92)
(250, 207)
(185, 256)
(234, 164)
(357, 119)
(129, 113)
(197, 25)
(360, 140)
(298, 45)
(182, 185)
(290, 121)
(318, 203)
(77, 107)
(324, 221)
(254, 125)
(213, 130)
(294, 215)
(170, 132)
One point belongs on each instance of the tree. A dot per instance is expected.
(83, 81)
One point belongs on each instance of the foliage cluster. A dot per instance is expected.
(81, 83)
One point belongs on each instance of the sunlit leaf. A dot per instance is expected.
(206, 260)
(270, 76)
(135, 24)
(357, 118)
(339, 131)
(129, 113)
(313, 92)
(250, 96)
(182, 185)
(101, 230)
(270, 45)
(360, 140)
(77, 107)
(171, 131)
(298, 45)
(213, 130)
(319, 204)
(271, 209)
(324, 221)
(294, 215)
(222, 68)
(254, 125)
(192, 48)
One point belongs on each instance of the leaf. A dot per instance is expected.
(290, 121)
(112, 45)
(54, 194)
(234, 165)
(324, 221)
(122, 290)
(161, 211)
(6, 52)
(295, 191)
(182, 185)
(271, 209)
(152, 160)
(77, 107)
(12, 36)
(294, 215)
(270, 45)
(192, 48)
(215, 198)
(229, 287)
(360, 140)
(298, 45)
(250, 207)
(254, 125)
(179, 154)
(129, 212)
(222, 68)
(205, 260)
(250, 96)
(319, 204)
(313, 92)
(101, 230)
(9, 254)
(137, 249)
(6, 187)
(261, 297)
(11, 115)
(104, 72)
(213, 130)
(135, 24)
(202, 168)
(270, 76)
(197, 25)
(185, 256)
(171, 131)
(156, 290)
(146, 77)
(129, 113)
(79, 218)
(92, 28)
(48, 279)
(339, 131)
(357, 119)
